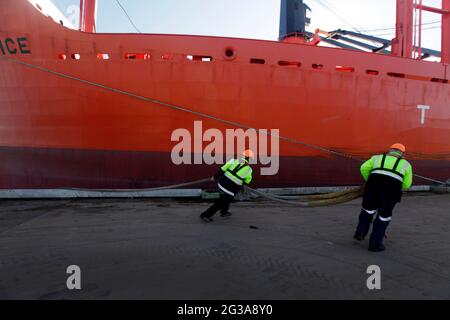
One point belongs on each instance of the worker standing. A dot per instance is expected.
(231, 177)
(386, 176)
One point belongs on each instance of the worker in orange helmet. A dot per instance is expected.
(231, 177)
(386, 176)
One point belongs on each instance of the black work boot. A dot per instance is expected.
(358, 237)
(206, 219)
(378, 248)
(226, 214)
(377, 236)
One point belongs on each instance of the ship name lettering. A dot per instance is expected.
(13, 46)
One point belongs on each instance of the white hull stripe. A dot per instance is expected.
(370, 211)
(390, 174)
(385, 219)
(226, 191)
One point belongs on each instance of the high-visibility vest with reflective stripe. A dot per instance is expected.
(389, 165)
(238, 172)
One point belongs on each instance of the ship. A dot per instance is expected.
(81, 109)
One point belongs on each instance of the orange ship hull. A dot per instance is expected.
(70, 118)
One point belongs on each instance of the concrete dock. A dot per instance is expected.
(160, 249)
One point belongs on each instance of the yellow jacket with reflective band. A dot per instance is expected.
(238, 172)
(393, 166)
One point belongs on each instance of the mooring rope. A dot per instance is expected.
(327, 200)
(310, 201)
(174, 186)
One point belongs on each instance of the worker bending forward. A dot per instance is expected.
(386, 176)
(231, 177)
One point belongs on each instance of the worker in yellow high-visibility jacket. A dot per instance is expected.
(231, 177)
(386, 176)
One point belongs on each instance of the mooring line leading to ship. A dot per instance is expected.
(330, 199)
(304, 202)
(174, 186)
(430, 179)
(197, 113)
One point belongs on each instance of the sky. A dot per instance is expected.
(256, 19)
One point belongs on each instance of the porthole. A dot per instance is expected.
(229, 53)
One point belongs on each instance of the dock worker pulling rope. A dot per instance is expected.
(231, 177)
(386, 176)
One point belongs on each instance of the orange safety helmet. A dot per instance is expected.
(248, 154)
(399, 146)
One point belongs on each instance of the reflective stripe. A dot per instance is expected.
(230, 163)
(404, 168)
(385, 219)
(236, 180)
(394, 168)
(238, 172)
(226, 191)
(377, 161)
(370, 211)
(382, 164)
(390, 174)
(237, 167)
(246, 173)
